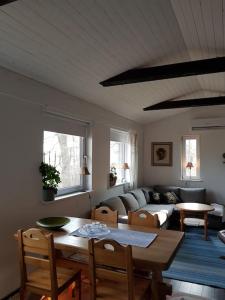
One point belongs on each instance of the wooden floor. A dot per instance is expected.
(178, 286)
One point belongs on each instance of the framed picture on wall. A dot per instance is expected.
(162, 153)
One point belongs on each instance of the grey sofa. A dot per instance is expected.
(141, 198)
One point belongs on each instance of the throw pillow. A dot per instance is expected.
(170, 198)
(156, 198)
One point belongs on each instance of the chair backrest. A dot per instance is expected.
(111, 261)
(105, 214)
(37, 249)
(143, 218)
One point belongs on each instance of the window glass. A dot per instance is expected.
(65, 152)
(191, 158)
(120, 157)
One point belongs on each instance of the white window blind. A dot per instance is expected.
(119, 136)
(63, 124)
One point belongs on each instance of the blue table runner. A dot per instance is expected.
(123, 236)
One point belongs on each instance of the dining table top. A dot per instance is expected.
(158, 255)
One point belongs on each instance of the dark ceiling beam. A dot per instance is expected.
(187, 103)
(4, 2)
(196, 67)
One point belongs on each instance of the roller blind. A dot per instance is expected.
(119, 136)
(63, 124)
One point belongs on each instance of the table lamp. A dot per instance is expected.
(190, 166)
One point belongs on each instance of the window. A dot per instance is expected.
(120, 155)
(64, 146)
(191, 157)
(65, 152)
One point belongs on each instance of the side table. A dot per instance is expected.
(198, 209)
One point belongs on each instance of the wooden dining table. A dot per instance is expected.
(157, 257)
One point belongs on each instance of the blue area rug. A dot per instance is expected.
(198, 260)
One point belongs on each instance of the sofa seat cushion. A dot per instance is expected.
(115, 203)
(139, 195)
(192, 195)
(168, 208)
(130, 202)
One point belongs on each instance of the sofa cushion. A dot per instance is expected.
(171, 198)
(115, 203)
(139, 195)
(156, 198)
(168, 208)
(129, 202)
(147, 192)
(167, 188)
(192, 195)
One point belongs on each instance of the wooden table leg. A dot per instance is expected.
(156, 280)
(206, 225)
(182, 215)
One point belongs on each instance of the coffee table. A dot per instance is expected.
(196, 208)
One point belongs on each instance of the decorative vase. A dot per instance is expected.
(49, 195)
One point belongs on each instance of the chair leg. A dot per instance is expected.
(22, 294)
(54, 296)
(78, 285)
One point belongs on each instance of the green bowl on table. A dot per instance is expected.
(53, 223)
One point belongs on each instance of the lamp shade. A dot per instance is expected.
(125, 166)
(84, 169)
(189, 165)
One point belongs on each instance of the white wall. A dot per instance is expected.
(21, 105)
(212, 146)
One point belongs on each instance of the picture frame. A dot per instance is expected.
(161, 154)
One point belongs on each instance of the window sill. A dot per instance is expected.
(188, 179)
(119, 184)
(68, 196)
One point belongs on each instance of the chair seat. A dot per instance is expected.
(41, 278)
(108, 290)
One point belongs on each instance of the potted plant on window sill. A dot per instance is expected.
(50, 180)
(112, 176)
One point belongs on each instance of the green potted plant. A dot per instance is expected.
(50, 180)
(112, 176)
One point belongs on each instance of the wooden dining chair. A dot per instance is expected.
(36, 251)
(105, 214)
(111, 273)
(143, 218)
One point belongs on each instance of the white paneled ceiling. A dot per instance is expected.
(74, 44)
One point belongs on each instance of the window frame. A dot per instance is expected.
(183, 158)
(124, 146)
(75, 188)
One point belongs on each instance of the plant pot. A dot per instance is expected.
(112, 180)
(49, 195)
